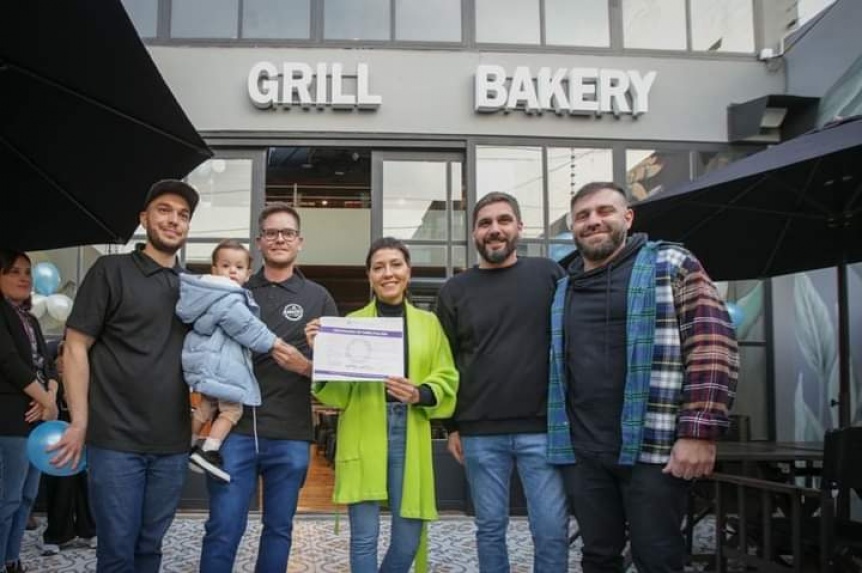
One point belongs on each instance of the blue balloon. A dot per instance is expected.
(42, 437)
(46, 278)
(737, 315)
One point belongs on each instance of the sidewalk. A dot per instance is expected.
(317, 547)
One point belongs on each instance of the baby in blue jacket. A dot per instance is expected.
(217, 351)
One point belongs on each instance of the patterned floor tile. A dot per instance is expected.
(320, 546)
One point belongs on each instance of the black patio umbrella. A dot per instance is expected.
(795, 206)
(87, 124)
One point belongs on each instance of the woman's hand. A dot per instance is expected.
(312, 327)
(34, 412)
(50, 413)
(402, 389)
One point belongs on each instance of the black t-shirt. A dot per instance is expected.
(138, 399)
(595, 350)
(498, 325)
(286, 307)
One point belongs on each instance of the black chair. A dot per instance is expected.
(842, 476)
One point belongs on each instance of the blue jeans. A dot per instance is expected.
(19, 485)
(282, 465)
(133, 498)
(365, 516)
(608, 498)
(489, 461)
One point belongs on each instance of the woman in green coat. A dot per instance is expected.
(383, 450)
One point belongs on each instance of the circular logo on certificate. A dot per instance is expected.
(292, 312)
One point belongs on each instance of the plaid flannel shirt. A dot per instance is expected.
(682, 355)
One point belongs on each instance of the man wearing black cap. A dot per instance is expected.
(124, 386)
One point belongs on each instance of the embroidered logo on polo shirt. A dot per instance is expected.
(292, 312)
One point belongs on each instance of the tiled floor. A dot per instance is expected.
(319, 547)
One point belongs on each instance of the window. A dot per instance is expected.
(654, 24)
(356, 20)
(421, 20)
(706, 161)
(518, 172)
(650, 171)
(144, 15)
(288, 19)
(726, 26)
(583, 23)
(414, 200)
(224, 210)
(507, 21)
(204, 18)
(423, 205)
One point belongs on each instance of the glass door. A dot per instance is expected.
(420, 198)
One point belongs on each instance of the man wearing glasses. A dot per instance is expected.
(271, 441)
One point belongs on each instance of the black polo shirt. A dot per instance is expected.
(286, 308)
(138, 399)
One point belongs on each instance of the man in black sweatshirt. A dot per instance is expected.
(497, 318)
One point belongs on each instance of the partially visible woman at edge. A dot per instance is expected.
(383, 450)
(28, 395)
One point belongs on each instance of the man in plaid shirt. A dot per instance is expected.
(643, 371)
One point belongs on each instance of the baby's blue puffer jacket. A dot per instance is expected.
(225, 326)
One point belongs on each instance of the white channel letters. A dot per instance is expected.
(575, 91)
(299, 84)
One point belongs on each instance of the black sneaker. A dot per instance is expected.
(210, 462)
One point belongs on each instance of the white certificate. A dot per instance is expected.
(359, 349)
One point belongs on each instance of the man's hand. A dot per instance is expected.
(454, 447)
(691, 458)
(311, 330)
(69, 447)
(289, 358)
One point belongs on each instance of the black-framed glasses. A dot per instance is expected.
(273, 234)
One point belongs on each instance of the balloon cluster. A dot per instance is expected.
(46, 299)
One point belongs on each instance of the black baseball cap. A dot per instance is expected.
(174, 187)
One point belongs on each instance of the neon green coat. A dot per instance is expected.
(361, 452)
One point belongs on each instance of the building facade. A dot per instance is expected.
(393, 117)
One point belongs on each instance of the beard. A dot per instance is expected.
(163, 246)
(601, 251)
(496, 257)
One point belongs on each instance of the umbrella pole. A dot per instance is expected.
(844, 395)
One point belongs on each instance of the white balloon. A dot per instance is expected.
(38, 304)
(59, 307)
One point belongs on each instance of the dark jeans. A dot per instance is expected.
(282, 464)
(68, 509)
(133, 498)
(606, 497)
